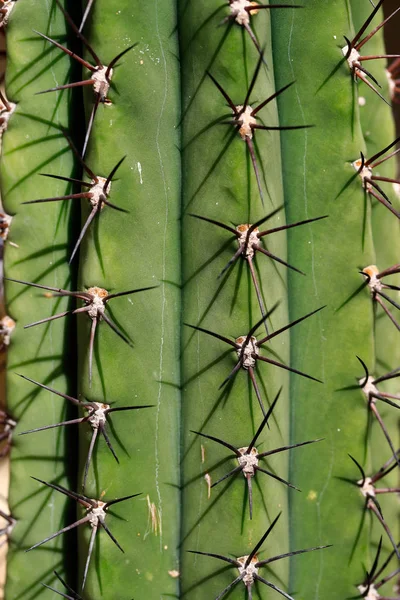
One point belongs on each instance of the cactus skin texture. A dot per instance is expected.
(230, 195)
(158, 105)
(34, 144)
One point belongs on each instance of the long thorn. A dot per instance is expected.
(79, 34)
(52, 390)
(261, 541)
(89, 554)
(264, 422)
(82, 234)
(224, 94)
(91, 346)
(286, 327)
(250, 146)
(219, 441)
(89, 456)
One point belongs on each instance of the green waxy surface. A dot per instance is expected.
(315, 171)
(217, 519)
(31, 145)
(124, 251)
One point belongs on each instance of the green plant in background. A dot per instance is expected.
(144, 104)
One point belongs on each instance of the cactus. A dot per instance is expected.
(229, 190)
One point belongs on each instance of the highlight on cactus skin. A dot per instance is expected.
(249, 565)
(354, 58)
(95, 301)
(245, 119)
(249, 458)
(97, 413)
(96, 512)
